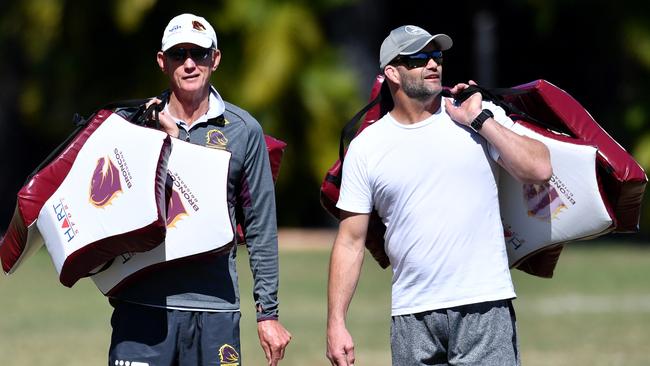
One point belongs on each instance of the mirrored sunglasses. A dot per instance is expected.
(419, 59)
(196, 54)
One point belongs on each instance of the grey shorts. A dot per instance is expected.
(475, 334)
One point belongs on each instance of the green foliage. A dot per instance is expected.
(41, 23)
(277, 63)
(290, 77)
(67, 56)
(129, 14)
(636, 37)
(636, 33)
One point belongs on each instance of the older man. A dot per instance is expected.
(188, 314)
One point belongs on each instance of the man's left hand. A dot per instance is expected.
(274, 338)
(468, 110)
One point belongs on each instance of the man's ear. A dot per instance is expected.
(216, 59)
(392, 74)
(162, 61)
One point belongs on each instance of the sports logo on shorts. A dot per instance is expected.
(105, 183)
(228, 356)
(543, 201)
(216, 139)
(175, 209)
(130, 363)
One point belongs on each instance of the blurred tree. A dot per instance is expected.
(600, 52)
(295, 83)
(74, 56)
(635, 88)
(304, 67)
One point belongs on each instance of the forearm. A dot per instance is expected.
(526, 159)
(256, 199)
(262, 245)
(344, 271)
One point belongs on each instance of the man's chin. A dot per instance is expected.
(427, 96)
(434, 87)
(191, 87)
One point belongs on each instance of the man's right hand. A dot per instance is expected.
(340, 347)
(167, 123)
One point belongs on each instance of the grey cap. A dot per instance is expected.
(407, 40)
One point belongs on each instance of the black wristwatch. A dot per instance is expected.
(477, 123)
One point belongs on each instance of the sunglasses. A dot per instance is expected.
(419, 59)
(196, 54)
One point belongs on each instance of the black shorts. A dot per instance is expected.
(150, 336)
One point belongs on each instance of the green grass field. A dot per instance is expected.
(595, 311)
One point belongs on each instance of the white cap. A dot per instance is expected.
(188, 28)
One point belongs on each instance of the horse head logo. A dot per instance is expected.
(175, 209)
(228, 355)
(105, 183)
(543, 201)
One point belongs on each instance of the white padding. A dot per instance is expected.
(570, 207)
(198, 219)
(110, 190)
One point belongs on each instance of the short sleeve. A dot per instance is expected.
(355, 195)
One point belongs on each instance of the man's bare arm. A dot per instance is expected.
(345, 267)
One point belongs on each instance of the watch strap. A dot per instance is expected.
(477, 123)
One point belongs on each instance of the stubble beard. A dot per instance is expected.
(417, 89)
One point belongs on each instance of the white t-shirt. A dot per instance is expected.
(434, 183)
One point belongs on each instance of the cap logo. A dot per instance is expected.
(174, 28)
(197, 25)
(414, 30)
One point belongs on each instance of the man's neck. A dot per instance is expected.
(409, 111)
(189, 106)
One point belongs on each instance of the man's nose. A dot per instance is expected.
(431, 63)
(189, 62)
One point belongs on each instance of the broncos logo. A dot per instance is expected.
(228, 356)
(197, 25)
(543, 201)
(216, 138)
(105, 183)
(175, 209)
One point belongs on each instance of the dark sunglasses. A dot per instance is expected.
(419, 59)
(196, 54)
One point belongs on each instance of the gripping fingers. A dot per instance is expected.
(152, 101)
